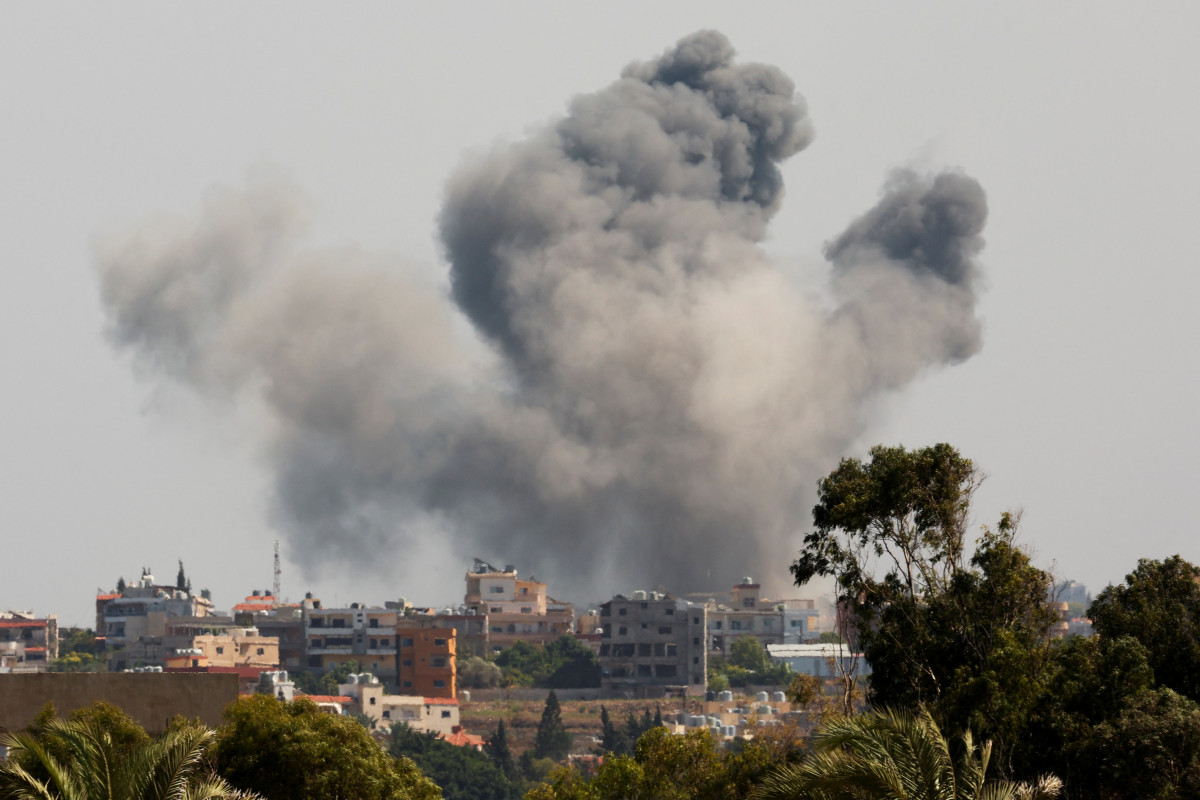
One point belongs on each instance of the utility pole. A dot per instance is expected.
(275, 585)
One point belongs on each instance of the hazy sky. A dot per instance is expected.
(1081, 122)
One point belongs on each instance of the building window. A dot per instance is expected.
(339, 623)
(438, 683)
(670, 611)
(439, 642)
(696, 641)
(621, 631)
(374, 644)
(664, 628)
(645, 625)
(696, 621)
(387, 714)
(643, 670)
(372, 701)
(643, 650)
(261, 651)
(445, 715)
(496, 589)
(406, 642)
(645, 606)
(374, 622)
(317, 622)
(526, 610)
(408, 684)
(384, 642)
(622, 611)
(497, 629)
(439, 662)
(695, 659)
(407, 662)
(220, 650)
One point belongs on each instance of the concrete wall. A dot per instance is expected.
(151, 698)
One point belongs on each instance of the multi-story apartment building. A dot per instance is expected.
(771, 622)
(414, 659)
(516, 610)
(27, 643)
(652, 642)
(134, 623)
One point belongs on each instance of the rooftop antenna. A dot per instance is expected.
(275, 585)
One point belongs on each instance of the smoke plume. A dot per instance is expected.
(647, 395)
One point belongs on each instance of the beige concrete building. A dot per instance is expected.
(27, 643)
(438, 714)
(516, 610)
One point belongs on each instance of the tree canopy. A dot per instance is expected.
(293, 751)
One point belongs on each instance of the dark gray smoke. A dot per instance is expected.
(657, 401)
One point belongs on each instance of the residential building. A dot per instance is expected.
(652, 642)
(27, 643)
(769, 621)
(439, 714)
(134, 622)
(416, 660)
(516, 610)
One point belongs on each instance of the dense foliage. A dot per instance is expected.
(463, 773)
(748, 664)
(293, 751)
(565, 663)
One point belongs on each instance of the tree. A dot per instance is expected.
(893, 754)
(1159, 605)
(478, 673)
(612, 738)
(561, 664)
(120, 585)
(181, 580)
(552, 740)
(463, 773)
(293, 751)
(967, 640)
(83, 759)
(501, 754)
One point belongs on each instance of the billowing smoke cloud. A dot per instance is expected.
(650, 398)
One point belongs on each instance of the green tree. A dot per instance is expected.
(120, 585)
(478, 673)
(463, 773)
(293, 751)
(499, 751)
(552, 740)
(81, 759)
(893, 754)
(562, 664)
(1159, 605)
(967, 640)
(612, 738)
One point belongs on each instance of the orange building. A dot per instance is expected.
(427, 662)
(516, 610)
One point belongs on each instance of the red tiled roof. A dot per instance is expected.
(107, 596)
(22, 623)
(441, 701)
(35, 649)
(463, 739)
(253, 607)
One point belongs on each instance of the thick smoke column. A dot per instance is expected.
(657, 401)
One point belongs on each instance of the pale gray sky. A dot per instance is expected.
(1081, 121)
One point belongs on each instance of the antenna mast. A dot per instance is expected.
(275, 586)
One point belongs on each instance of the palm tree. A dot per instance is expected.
(893, 755)
(78, 760)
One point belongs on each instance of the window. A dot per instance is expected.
(314, 661)
(696, 641)
(406, 642)
(339, 623)
(622, 651)
(445, 715)
(374, 644)
(408, 684)
(645, 625)
(695, 659)
(645, 605)
(261, 651)
(696, 621)
(220, 650)
(735, 624)
(439, 683)
(768, 623)
(643, 670)
(670, 611)
(621, 631)
(439, 642)
(496, 610)
(387, 714)
(496, 589)
(526, 609)
(672, 649)
(604, 648)
(748, 602)
(372, 701)
(664, 628)
(622, 612)
(664, 670)
(374, 622)
(524, 590)
(317, 622)
(439, 662)
(407, 662)
(497, 629)
(643, 650)
(719, 624)
(384, 642)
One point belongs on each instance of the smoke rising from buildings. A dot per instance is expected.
(647, 395)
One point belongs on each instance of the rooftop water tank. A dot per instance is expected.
(761, 697)
(779, 697)
(640, 594)
(465, 695)
(725, 697)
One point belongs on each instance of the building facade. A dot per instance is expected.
(652, 642)
(516, 610)
(27, 643)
